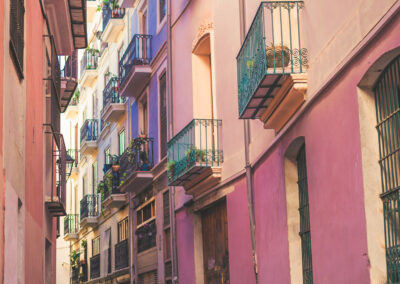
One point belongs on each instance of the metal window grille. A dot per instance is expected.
(304, 211)
(387, 103)
(17, 12)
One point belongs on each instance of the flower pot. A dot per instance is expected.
(143, 135)
(281, 53)
(115, 168)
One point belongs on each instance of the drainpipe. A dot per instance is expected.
(170, 132)
(249, 174)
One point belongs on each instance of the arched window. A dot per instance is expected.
(298, 213)
(387, 103)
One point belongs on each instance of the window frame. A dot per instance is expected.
(161, 22)
(123, 226)
(141, 208)
(95, 241)
(121, 150)
(163, 74)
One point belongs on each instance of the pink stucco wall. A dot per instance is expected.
(35, 230)
(185, 244)
(241, 269)
(337, 214)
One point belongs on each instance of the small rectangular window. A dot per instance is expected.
(94, 168)
(121, 140)
(162, 9)
(17, 12)
(163, 115)
(96, 246)
(123, 230)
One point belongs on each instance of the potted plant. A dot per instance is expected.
(201, 155)
(101, 187)
(115, 163)
(276, 53)
(171, 169)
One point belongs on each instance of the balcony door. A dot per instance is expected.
(143, 30)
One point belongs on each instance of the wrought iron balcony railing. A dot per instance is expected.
(90, 206)
(199, 144)
(89, 60)
(70, 70)
(121, 255)
(95, 266)
(138, 52)
(272, 48)
(71, 224)
(137, 157)
(111, 94)
(74, 154)
(90, 130)
(110, 13)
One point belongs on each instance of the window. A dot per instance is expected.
(387, 103)
(107, 250)
(162, 10)
(146, 212)
(146, 225)
(148, 277)
(167, 236)
(304, 211)
(17, 12)
(96, 246)
(121, 141)
(123, 230)
(107, 156)
(143, 116)
(163, 115)
(84, 185)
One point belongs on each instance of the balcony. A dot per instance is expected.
(69, 80)
(271, 65)
(122, 255)
(90, 210)
(195, 156)
(75, 275)
(113, 23)
(113, 104)
(95, 267)
(89, 64)
(56, 203)
(67, 22)
(72, 109)
(71, 227)
(89, 136)
(134, 66)
(74, 154)
(111, 195)
(136, 164)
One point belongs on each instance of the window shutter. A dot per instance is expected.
(17, 12)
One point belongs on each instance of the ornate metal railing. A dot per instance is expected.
(114, 189)
(138, 156)
(272, 46)
(111, 94)
(71, 224)
(90, 206)
(89, 60)
(121, 255)
(70, 70)
(95, 266)
(90, 130)
(198, 144)
(75, 275)
(109, 13)
(138, 52)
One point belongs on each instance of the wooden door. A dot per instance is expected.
(215, 244)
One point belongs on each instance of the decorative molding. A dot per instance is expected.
(205, 27)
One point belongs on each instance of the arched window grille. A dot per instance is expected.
(387, 102)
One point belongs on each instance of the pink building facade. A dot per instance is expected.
(321, 134)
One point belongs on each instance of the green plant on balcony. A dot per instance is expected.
(276, 53)
(84, 243)
(101, 188)
(171, 169)
(74, 258)
(134, 147)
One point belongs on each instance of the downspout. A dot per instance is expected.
(170, 132)
(249, 174)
